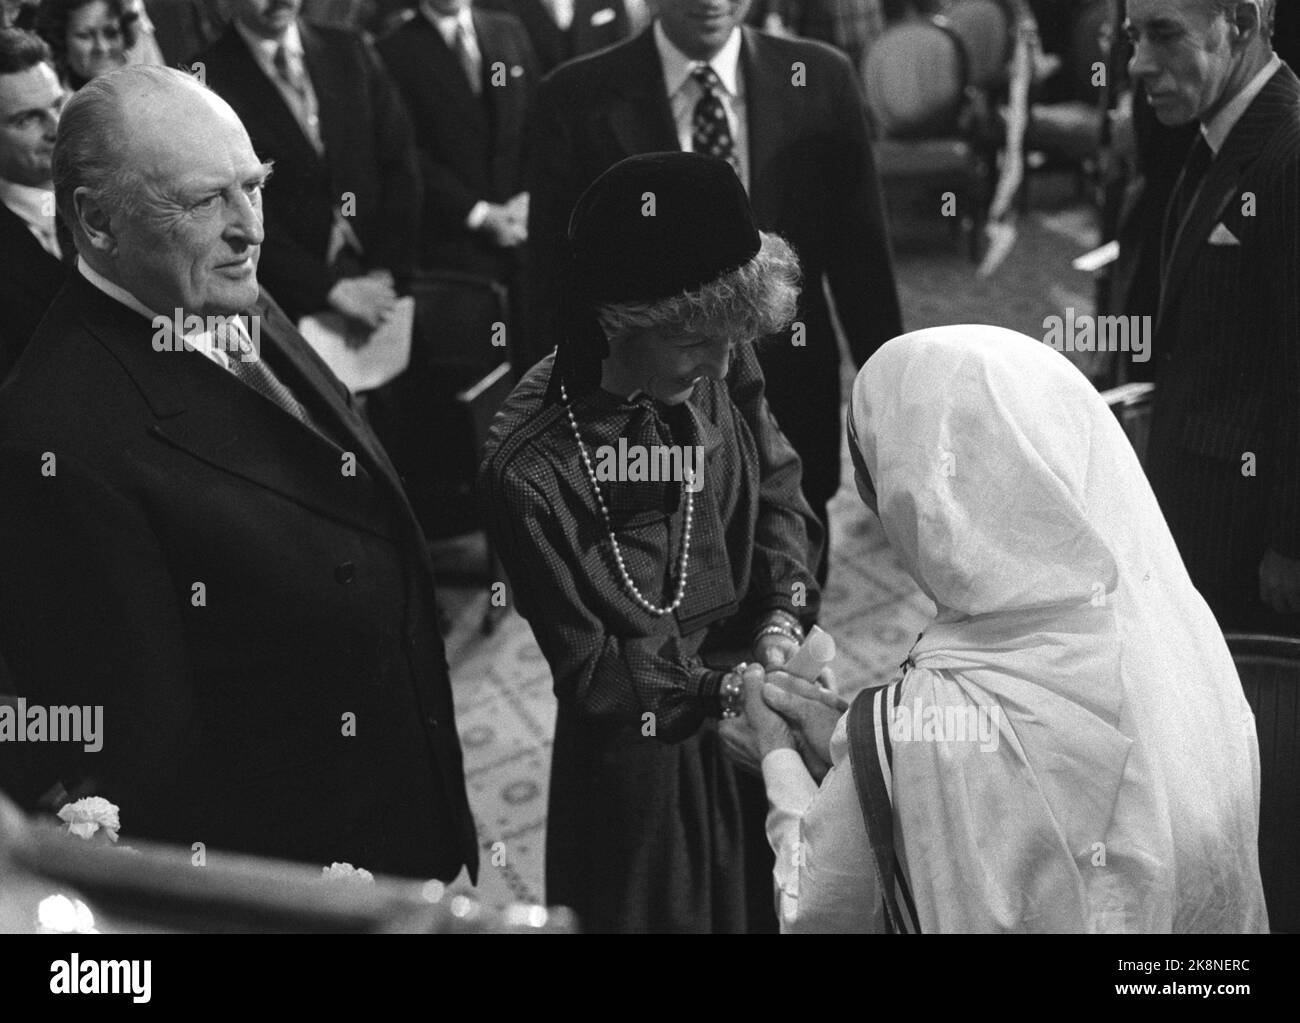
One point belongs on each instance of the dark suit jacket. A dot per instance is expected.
(203, 566)
(29, 279)
(812, 180)
(368, 153)
(1227, 352)
(470, 148)
(596, 24)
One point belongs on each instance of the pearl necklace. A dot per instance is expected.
(683, 558)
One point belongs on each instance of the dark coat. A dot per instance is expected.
(470, 147)
(29, 279)
(203, 566)
(596, 24)
(369, 154)
(1224, 451)
(812, 180)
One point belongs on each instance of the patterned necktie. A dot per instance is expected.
(468, 59)
(303, 103)
(246, 365)
(1199, 158)
(710, 133)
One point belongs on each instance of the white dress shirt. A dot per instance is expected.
(684, 92)
(35, 208)
(1219, 127)
(825, 881)
(203, 342)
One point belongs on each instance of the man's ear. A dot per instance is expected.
(1244, 22)
(92, 217)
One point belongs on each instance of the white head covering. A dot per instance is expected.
(1009, 492)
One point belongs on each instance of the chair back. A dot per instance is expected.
(1269, 667)
(915, 80)
(986, 29)
(1131, 404)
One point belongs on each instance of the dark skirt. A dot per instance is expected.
(645, 836)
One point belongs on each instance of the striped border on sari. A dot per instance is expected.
(871, 756)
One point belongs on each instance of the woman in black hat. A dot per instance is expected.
(632, 569)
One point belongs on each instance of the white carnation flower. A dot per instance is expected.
(88, 816)
(346, 871)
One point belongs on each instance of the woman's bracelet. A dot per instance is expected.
(781, 623)
(731, 694)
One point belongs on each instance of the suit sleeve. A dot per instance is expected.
(1284, 522)
(89, 617)
(788, 537)
(859, 263)
(550, 169)
(395, 245)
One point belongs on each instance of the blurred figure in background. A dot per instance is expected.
(31, 255)
(561, 30)
(87, 37)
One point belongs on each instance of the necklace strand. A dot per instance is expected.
(683, 559)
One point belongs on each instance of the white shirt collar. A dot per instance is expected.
(265, 48)
(1219, 127)
(678, 67)
(202, 341)
(447, 24)
(29, 203)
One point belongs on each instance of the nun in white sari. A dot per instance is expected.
(1068, 748)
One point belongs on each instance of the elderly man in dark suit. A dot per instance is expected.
(202, 537)
(789, 115)
(342, 225)
(1224, 451)
(31, 268)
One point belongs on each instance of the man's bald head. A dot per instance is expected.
(150, 166)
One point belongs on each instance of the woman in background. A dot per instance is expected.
(87, 37)
(1069, 748)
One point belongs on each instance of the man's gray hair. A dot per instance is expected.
(1266, 11)
(91, 147)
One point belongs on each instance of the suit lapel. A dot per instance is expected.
(260, 101)
(771, 118)
(1243, 146)
(640, 114)
(204, 411)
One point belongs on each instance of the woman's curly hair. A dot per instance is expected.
(51, 23)
(751, 302)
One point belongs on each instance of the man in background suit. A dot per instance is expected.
(31, 268)
(1224, 449)
(561, 30)
(202, 537)
(790, 116)
(467, 77)
(342, 223)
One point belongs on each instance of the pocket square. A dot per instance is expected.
(603, 17)
(1222, 236)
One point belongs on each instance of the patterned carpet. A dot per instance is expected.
(504, 705)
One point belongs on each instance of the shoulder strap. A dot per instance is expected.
(871, 758)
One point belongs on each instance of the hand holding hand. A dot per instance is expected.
(811, 711)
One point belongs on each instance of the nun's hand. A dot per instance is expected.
(770, 730)
(812, 713)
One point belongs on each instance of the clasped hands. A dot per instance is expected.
(782, 711)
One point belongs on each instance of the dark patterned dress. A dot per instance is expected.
(646, 829)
